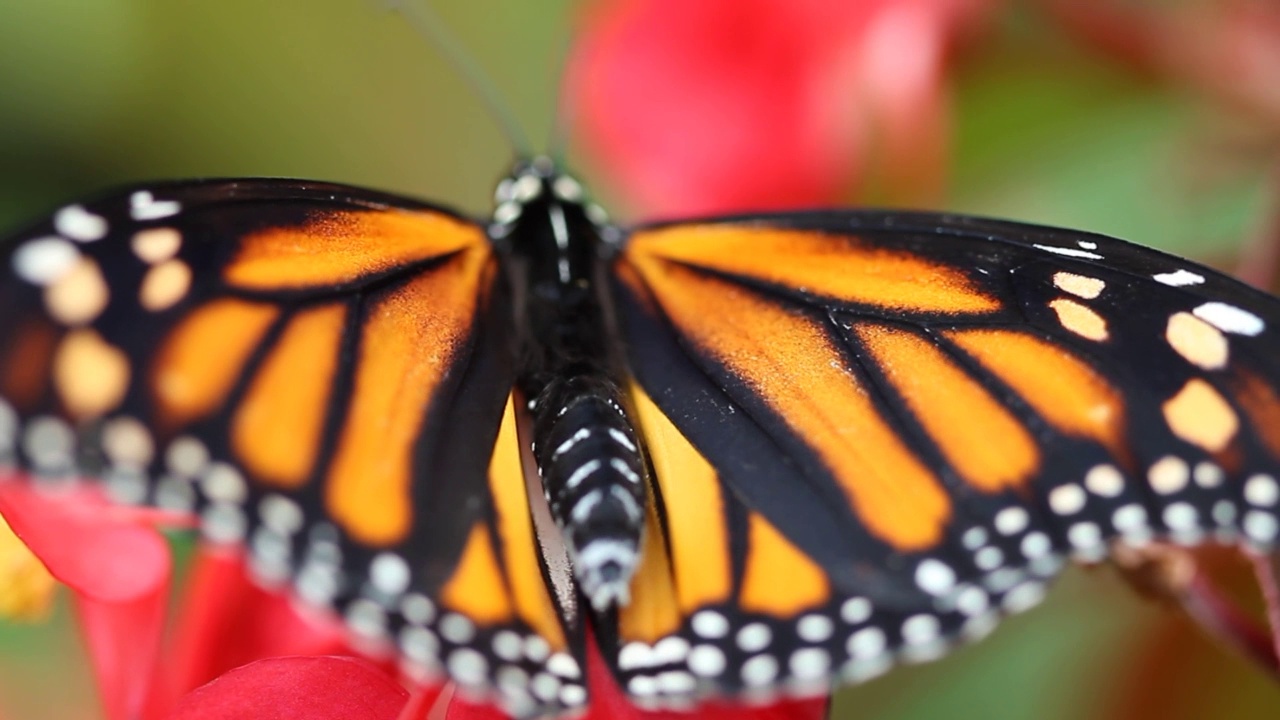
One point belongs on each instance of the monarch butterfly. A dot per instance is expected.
(780, 450)
(760, 453)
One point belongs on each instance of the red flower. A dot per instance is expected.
(314, 688)
(752, 104)
(120, 572)
(228, 621)
(118, 568)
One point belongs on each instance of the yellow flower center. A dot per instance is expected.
(26, 587)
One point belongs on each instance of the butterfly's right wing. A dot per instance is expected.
(873, 433)
(320, 373)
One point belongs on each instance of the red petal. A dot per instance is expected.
(297, 688)
(120, 573)
(905, 101)
(228, 621)
(812, 709)
(96, 553)
(123, 640)
(462, 709)
(724, 104)
(422, 701)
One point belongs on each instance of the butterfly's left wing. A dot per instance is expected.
(871, 433)
(320, 373)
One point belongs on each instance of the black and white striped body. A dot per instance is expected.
(587, 452)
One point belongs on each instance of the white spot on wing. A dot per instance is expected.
(759, 670)
(1079, 285)
(563, 665)
(1084, 535)
(572, 696)
(707, 660)
(710, 624)
(467, 666)
(809, 663)
(1104, 480)
(670, 650)
(1067, 499)
(867, 643)
(920, 629)
(144, 206)
(1036, 544)
(1178, 278)
(79, 224)
(457, 628)
(988, 558)
(935, 577)
(1262, 490)
(44, 260)
(1011, 520)
(754, 637)
(1069, 252)
(855, 610)
(1229, 318)
(389, 573)
(814, 628)
(1169, 475)
(1261, 527)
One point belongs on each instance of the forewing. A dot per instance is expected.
(915, 417)
(318, 372)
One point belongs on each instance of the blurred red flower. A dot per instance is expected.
(315, 688)
(731, 105)
(118, 568)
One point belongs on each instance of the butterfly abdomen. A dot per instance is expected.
(593, 475)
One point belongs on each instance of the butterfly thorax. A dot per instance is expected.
(570, 375)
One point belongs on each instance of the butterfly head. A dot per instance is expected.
(532, 188)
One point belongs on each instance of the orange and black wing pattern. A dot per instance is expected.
(871, 434)
(318, 372)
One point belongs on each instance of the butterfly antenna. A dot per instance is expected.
(562, 122)
(432, 28)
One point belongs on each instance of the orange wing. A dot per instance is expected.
(320, 373)
(871, 433)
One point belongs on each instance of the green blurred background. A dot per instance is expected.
(99, 92)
